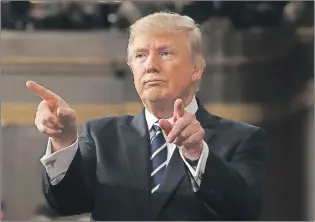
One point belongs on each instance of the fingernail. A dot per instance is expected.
(168, 140)
(175, 141)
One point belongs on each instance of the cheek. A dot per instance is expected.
(180, 75)
(136, 81)
(136, 72)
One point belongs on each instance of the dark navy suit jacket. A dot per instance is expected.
(110, 174)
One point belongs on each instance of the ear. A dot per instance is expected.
(198, 68)
(197, 72)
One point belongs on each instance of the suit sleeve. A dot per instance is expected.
(234, 188)
(74, 193)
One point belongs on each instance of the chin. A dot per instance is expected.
(155, 95)
(154, 98)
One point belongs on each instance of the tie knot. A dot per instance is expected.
(156, 128)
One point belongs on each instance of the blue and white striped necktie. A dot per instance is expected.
(158, 157)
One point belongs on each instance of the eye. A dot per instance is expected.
(139, 55)
(166, 53)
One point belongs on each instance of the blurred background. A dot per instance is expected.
(260, 70)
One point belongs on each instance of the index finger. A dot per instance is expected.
(178, 109)
(44, 93)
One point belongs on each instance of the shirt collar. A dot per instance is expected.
(192, 107)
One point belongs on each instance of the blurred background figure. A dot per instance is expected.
(2, 211)
(15, 14)
(130, 11)
(260, 70)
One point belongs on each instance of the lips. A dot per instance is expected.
(153, 81)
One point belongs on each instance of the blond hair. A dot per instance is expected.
(170, 22)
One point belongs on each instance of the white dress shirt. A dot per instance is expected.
(57, 163)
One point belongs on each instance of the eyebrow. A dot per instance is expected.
(139, 49)
(163, 47)
(160, 48)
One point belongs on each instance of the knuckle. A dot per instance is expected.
(45, 130)
(184, 134)
(187, 142)
(175, 127)
(43, 120)
(48, 118)
(177, 131)
(41, 129)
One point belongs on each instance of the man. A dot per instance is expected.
(172, 161)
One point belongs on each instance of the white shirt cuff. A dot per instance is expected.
(201, 166)
(57, 163)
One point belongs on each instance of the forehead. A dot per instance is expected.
(178, 40)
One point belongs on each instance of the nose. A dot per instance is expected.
(152, 65)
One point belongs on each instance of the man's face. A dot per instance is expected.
(163, 67)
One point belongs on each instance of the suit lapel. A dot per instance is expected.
(176, 169)
(136, 142)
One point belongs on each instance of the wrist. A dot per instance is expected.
(193, 154)
(57, 144)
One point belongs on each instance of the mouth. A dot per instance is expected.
(153, 81)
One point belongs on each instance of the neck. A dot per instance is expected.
(165, 109)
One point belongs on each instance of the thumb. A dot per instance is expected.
(66, 116)
(165, 125)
